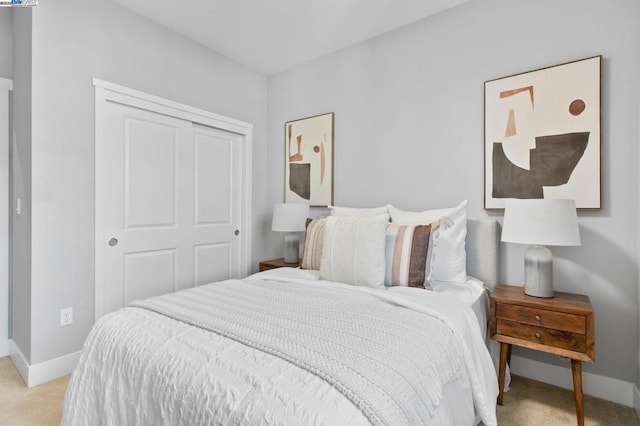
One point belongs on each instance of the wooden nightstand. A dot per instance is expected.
(562, 325)
(265, 265)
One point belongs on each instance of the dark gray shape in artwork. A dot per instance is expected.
(300, 179)
(552, 161)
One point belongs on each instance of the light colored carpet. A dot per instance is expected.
(531, 403)
(527, 403)
(21, 406)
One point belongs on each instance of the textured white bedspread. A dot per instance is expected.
(141, 367)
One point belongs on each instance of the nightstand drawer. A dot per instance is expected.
(544, 336)
(543, 318)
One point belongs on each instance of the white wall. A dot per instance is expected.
(409, 131)
(5, 43)
(73, 41)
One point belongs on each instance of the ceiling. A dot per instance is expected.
(269, 36)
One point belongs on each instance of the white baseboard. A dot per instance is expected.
(602, 387)
(19, 360)
(636, 400)
(5, 348)
(53, 368)
(34, 375)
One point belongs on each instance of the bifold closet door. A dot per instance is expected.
(171, 204)
(5, 88)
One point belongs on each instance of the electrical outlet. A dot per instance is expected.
(66, 317)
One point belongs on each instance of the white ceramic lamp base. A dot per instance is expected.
(538, 272)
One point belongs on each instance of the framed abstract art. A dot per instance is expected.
(309, 160)
(542, 135)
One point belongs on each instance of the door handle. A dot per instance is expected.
(113, 242)
(237, 232)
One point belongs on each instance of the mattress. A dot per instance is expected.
(141, 367)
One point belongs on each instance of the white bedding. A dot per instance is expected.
(474, 294)
(139, 367)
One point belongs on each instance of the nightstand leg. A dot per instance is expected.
(505, 351)
(576, 369)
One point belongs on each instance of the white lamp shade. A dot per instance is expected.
(545, 222)
(290, 217)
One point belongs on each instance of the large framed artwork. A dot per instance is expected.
(309, 160)
(542, 135)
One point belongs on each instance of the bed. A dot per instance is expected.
(288, 346)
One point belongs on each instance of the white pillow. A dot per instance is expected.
(354, 211)
(353, 250)
(449, 259)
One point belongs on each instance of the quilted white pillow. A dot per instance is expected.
(353, 250)
(449, 259)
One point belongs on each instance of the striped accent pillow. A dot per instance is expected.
(408, 254)
(313, 241)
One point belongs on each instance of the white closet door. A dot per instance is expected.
(5, 87)
(217, 204)
(171, 205)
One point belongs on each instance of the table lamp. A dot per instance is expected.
(540, 223)
(290, 218)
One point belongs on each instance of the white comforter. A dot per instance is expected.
(139, 367)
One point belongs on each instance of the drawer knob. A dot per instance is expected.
(537, 317)
(538, 335)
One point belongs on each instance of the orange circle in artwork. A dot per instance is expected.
(576, 107)
(316, 148)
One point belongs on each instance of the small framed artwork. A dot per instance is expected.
(309, 160)
(542, 135)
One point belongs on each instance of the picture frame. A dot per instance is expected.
(309, 144)
(543, 135)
